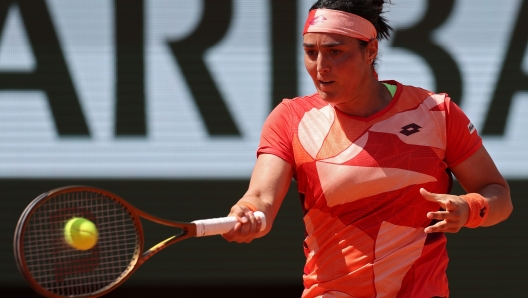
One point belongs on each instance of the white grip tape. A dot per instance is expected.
(222, 225)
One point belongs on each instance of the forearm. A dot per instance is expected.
(478, 174)
(499, 202)
(268, 186)
(256, 202)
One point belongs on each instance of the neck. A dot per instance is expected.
(371, 99)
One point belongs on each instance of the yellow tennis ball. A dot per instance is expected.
(80, 233)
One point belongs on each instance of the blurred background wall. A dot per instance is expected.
(162, 101)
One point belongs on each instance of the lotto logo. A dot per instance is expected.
(471, 128)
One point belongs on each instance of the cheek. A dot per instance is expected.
(354, 70)
(310, 66)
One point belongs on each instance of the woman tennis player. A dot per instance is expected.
(373, 163)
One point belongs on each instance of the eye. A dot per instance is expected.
(311, 53)
(335, 52)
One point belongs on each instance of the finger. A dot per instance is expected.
(443, 227)
(253, 221)
(450, 205)
(259, 224)
(446, 229)
(256, 224)
(242, 230)
(249, 228)
(448, 216)
(231, 235)
(436, 228)
(245, 227)
(237, 227)
(428, 195)
(433, 197)
(238, 212)
(439, 215)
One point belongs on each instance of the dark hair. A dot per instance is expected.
(371, 10)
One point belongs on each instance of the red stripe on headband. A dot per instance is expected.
(339, 22)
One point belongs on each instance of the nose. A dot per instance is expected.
(323, 63)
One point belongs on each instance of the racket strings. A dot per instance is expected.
(65, 271)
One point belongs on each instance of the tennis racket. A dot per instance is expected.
(54, 269)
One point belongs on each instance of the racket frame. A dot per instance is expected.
(140, 256)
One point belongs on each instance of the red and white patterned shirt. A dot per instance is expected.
(359, 181)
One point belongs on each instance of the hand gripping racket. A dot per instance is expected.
(54, 269)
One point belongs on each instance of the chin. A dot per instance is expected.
(327, 97)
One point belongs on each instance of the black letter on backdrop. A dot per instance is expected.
(512, 78)
(284, 50)
(51, 74)
(190, 52)
(418, 39)
(130, 70)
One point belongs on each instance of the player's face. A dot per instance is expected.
(338, 65)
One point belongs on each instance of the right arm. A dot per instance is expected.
(268, 186)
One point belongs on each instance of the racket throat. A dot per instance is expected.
(169, 241)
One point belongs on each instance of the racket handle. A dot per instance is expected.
(222, 225)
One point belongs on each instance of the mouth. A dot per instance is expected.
(325, 83)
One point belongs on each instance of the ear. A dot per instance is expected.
(372, 50)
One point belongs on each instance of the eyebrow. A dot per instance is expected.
(326, 45)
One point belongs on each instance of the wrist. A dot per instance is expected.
(478, 209)
(248, 205)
